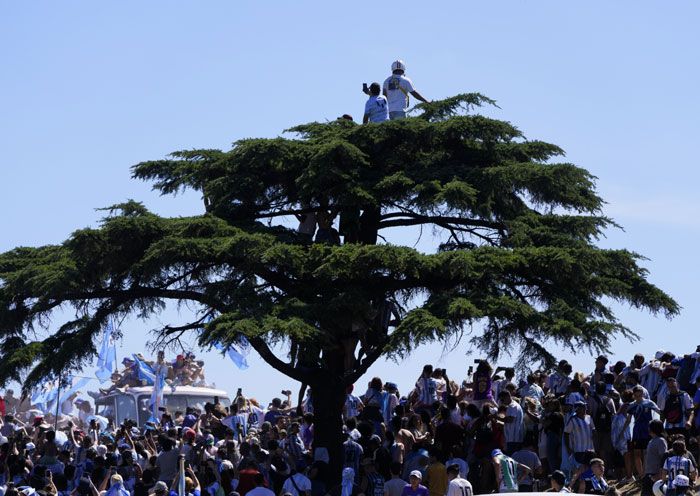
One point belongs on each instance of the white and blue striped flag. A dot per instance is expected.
(107, 358)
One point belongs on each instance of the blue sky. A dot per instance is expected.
(90, 88)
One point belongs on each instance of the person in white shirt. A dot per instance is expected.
(297, 485)
(376, 107)
(514, 426)
(397, 87)
(457, 486)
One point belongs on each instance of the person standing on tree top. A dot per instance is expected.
(397, 87)
(376, 108)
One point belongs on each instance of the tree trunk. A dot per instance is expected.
(328, 394)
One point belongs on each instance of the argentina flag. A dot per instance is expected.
(107, 358)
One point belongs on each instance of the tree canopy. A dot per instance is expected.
(517, 259)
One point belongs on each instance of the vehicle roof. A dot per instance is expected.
(180, 390)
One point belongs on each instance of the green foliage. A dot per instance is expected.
(517, 255)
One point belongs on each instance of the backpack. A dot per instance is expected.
(602, 420)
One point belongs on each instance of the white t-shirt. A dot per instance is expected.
(376, 108)
(302, 482)
(459, 487)
(397, 88)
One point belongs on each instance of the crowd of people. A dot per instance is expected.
(635, 422)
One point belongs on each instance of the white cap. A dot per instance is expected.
(416, 473)
(398, 65)
(681, 481)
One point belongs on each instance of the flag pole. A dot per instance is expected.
(58, 405)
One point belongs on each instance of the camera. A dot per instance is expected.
(365, 89)
(286, 392)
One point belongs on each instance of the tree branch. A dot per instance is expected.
(266, 354)
(416, 219)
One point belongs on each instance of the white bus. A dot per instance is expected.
(133, 404)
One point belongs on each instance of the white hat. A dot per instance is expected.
(416, 473)
(398, 65)
(681, 481)
(29, 446)
(3, 440)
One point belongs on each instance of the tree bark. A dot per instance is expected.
(328, 394)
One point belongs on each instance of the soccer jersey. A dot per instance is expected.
(427, 391)
(676, 409)
(459, 487)
(397, 88)
(580, 431)
(509, 473)
(238, 423)
(642, 413)
(677, 465)
(377, 108)
(558, 383)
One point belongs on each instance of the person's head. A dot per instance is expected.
(679, 447)
(598, 467)
(375, 89)
(557, 480)
(632, 379)
(638, 393)
(656, 426)
(395, 469)
(415, 478)
(259, 479)
(600, 388)
(189, 485)
(672, 385)
(398, 67)
(452, 471)
(601, 362)
(638, 360)
(160, 489)
(580, 408)
(276, 402)
(376, 383)
(505, 398)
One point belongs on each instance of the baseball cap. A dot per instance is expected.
(496, 452)
(659, 354)
(416, 473)
(29, 446)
